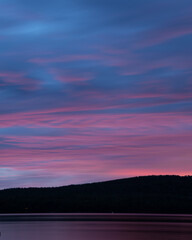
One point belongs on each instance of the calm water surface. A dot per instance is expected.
(94, 230)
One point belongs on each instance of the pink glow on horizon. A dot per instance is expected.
(63, 154)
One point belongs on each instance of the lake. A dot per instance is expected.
(95, 227)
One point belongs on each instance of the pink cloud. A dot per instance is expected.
(173, 30)
(71, 76)
(50, 117)
(116, 155)
(19, 79)
(141, 144)
(11, 75)
(65, 58)
(138, 66)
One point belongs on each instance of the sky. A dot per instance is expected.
(94, 90)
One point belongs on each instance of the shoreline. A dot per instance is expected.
(116, 217)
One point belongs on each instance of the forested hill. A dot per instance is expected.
(150, 194)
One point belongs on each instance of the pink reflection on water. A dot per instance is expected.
(95, 230)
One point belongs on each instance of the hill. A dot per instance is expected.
(149, 194)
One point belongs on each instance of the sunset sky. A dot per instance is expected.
(93, 90)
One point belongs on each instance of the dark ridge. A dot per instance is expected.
(149, 194)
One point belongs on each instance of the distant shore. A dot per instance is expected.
(149, 194)
(97, 217)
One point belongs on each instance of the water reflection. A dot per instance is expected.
(58, 230)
